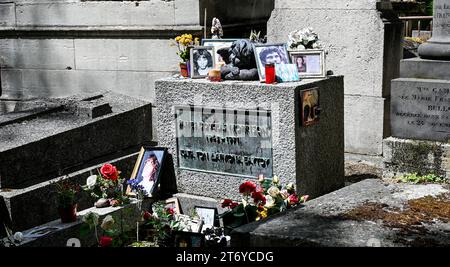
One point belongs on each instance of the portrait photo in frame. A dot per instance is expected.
(202, 61)
(310, 106)
(269, 53)
(189, 239)
(310, 63)
(208, 215)
(147, 169)
(218, 44)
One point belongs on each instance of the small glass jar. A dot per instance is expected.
(270, 73)
(214, 75)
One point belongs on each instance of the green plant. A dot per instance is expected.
(66, 193)
(162, 220)
(418, 179)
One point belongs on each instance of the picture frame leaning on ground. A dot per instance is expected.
(147, 169)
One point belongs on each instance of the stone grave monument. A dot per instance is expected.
(420, 106)
(222, 134)
(46, 140)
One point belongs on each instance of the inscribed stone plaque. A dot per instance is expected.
(225, 141)
(421, 110)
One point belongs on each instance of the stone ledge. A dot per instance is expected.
(319, 222)
(66, 231)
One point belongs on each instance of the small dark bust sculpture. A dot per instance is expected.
(240, 61)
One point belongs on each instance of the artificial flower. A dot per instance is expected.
(270, 202)
(273, 191)
(147, 215)
(108, 223)
(258, 197)
(105, 241)
(293, 199)
(304, 198)
(261, 178)
(247, 188)
(290, 188)
(226, 203)
(262, 214)
(233, 205)
(110, 172)
(275, 180)
(284, 194)
(91, 181)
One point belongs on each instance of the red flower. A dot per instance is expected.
(293, 199)
(171, 211)
(260, 208)
(109, 172)
(226, 202)
(147, 215)
(247, 187)
(233, 205)
(105, 241)
(259, 196)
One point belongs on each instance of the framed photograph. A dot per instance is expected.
(148, 169)
(310, 63)
(207, 215)
(202, 60)
(310, 106)
(189, 240)
(174, 204)
(286, 73)
(269, 53)
(218, 44)
(188, 224)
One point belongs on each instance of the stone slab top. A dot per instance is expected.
(240, 83)
(334, 4)
(319, 222)
(41, 126)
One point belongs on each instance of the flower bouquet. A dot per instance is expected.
(303, 39)
(107, 187)
(260, 201)
(110, 233)
(184, 44)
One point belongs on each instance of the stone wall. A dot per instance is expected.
(55, 48)
(362, 39)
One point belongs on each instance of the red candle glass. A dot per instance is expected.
(270, 73)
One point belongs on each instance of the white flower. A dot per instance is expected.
(108, 223)
(275, 180)
(270, 202)
(91, 181)
(273, 191)
(290, 187)
(18, 236)
(261, 178)
(284, 194)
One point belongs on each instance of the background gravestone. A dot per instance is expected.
(420, 106)
(362, 38)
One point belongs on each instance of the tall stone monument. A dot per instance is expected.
(420, 106)
(438, 47)
(362, 40)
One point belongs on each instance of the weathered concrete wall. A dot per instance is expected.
(58, 48)
(363, 46)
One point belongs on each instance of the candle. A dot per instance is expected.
(270, 73)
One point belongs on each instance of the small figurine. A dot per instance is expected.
(216, 29)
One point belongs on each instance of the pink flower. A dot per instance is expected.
(293, 199)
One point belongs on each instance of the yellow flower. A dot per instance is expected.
(178, 38)
(276, 180)
(262, 214)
